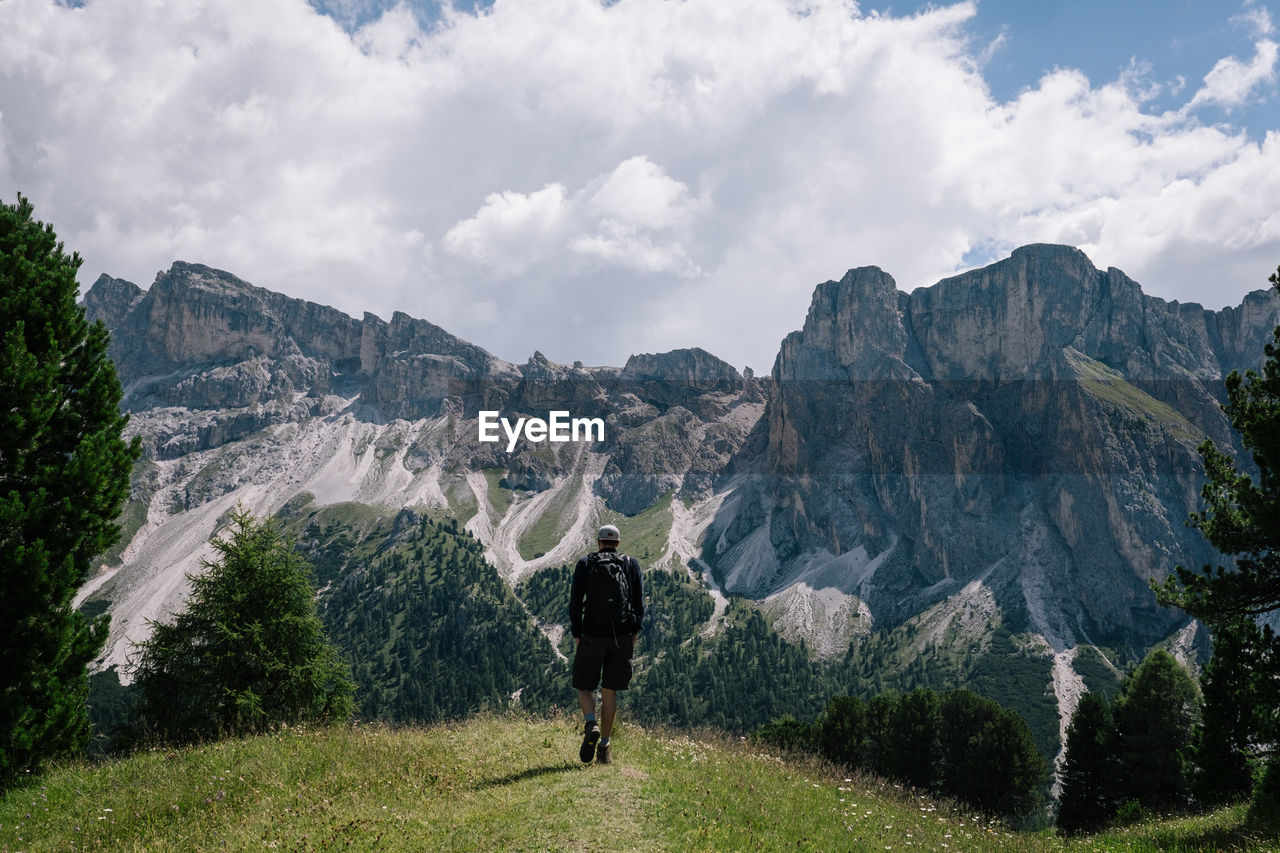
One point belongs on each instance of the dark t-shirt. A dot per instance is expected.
(578, 599)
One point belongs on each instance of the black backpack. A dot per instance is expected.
(609, 592)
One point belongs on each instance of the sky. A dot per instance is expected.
(592, 180)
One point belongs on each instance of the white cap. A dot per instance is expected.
(608, 533)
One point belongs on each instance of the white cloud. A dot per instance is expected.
(512, 231)
(624, 246)
(1256, 18)
(640, 193)
(1230, 83)
(698, 165)
(627, 221)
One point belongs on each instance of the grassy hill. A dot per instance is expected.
(513, 783)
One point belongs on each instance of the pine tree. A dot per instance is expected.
(1087, 800)
(842, 731)
(964, 715)
(1156, 716)
(64, 475)
(882, 710)
(914, 752)
(1233, 697)
(248, 652)
(989, 756)
(788, 733)
(1015, 768)
(1242, 516)
(1242, 519)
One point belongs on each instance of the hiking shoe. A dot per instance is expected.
(589, 739)
(602, 754)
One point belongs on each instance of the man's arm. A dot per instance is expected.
(637, 595)
(577, 594)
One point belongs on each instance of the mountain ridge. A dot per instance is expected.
(1012, 448)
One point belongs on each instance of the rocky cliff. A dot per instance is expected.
(1031, 426)
(245, 395)
(1012, 449)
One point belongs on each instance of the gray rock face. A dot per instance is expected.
(694, 368)
(213, 359)
(110, 299)
(412, 366)
(1030, 427)
(1034, 423)
(683, 377)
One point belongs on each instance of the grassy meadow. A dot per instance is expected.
(504, 783)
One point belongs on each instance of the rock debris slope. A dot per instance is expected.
(246, 396)
(1017, 442)
(1012, 446)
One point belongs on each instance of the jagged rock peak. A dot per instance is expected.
(1013, 319)
(195, 313)
(187, 276)
(1032, 423)
(1002, 319)
(110, 299)
(857, 318)
(1010, 318)
(695, 368)
(417, 335)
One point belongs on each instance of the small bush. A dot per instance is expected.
(786, 732)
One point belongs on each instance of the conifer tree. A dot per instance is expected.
(1156, 716)
(989, 755)
(1087, 800)
(1015, 768)
(1242, 516)
(914, 752)
(882, 710)
(786, 732)
(248, 652)
(842, 731)
(1234, 698)
(1242, 519)
(64, 475)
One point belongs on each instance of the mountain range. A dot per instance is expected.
(1006, 457)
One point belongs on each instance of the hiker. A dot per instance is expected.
(606, 605)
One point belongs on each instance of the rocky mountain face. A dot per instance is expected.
(203, 341)
(1014, 446)
(244, 395)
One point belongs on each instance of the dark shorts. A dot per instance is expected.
(597, 655)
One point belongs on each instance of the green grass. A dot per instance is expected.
(462, 501)
(302, 509)
(1225, 829)
(645, 534)
(499, 495)
(556, 517)
(132, 517)
(335, 536)
(1110, 386)
(1098, 676)
(513, 783)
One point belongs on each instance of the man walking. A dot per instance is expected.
(606, 606)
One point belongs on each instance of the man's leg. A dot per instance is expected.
(590, 729)
(608, 710)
